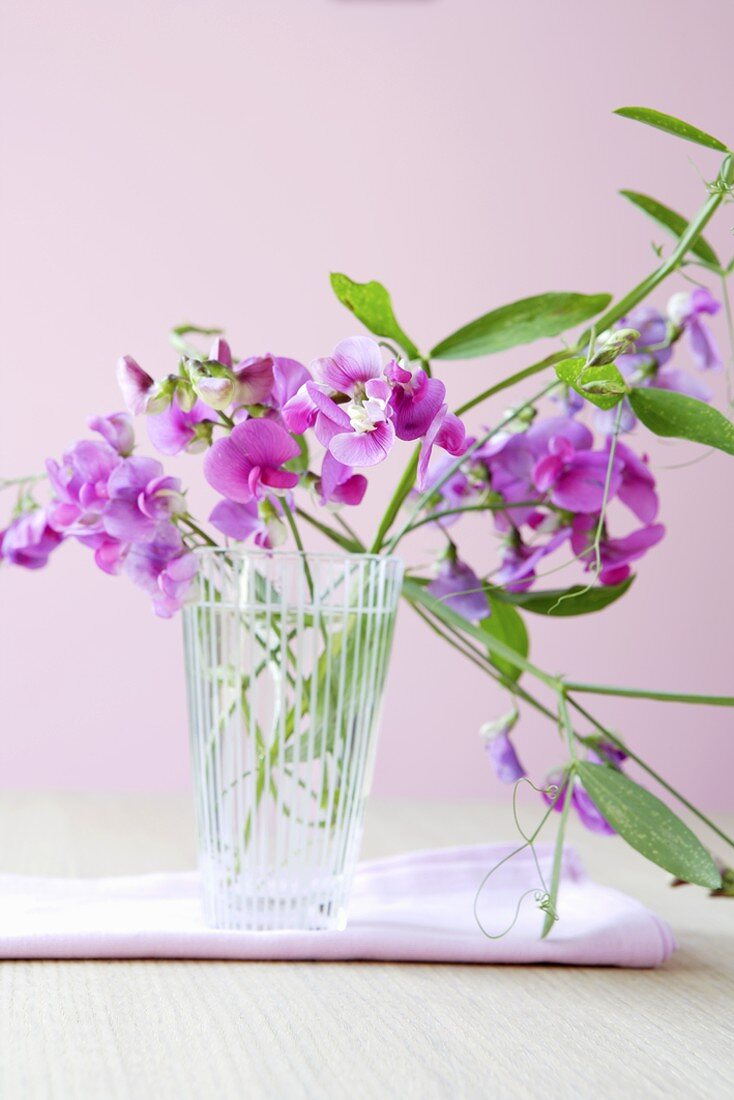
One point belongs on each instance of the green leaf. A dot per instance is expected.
(576, 600)
(506, 625)
(674, 223)
(299, 464)
(371, 304)
(672, 125)
(603, 386)
(521, 323)
(668, 413)
(648, 825)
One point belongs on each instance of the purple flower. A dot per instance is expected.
(458, 586)
(520, 561)
(140, 499)
(220, 352)
(240, 521)
(164, 569)
(500, 749)
(29, 540)
(339, 484)
(416, 400)
(637, 485)
(447, 432)
(587, 811)
(686, 311)
(615, 554)
(576, 479)
(116, 429)
(248, 462)
(177, 429)
(79, 484)
(288, 377)
(255, 379)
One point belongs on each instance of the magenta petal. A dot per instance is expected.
(264, 442)
(415, 411)
(135, 384)
(255, 379)
(220, 352)
(580, 487)
(288, 377)
(546, 472)
(363, 448)
(504, 758)
(354, 360)
(123, 520)
(227, 471)
(300, 411)
(279, 479)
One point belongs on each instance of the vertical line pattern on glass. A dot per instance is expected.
(286, 661)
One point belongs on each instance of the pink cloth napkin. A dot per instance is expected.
(416, 907)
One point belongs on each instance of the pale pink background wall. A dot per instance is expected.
(169, 160)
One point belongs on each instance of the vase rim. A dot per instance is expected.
(333, 555)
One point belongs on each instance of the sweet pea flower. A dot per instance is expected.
(457, 585)
(29, 540)
(588, 814)
(416, 400)
(248, 462)
(220, 352)
(261, 521)
(255, 379)
(686, 311)
(445, 431)
(637, 485)
(517, 571)
(140, 499)
(615, 554)
(136, 385)
(576, 479)
(500, 749)
(339, 484)
(177, 429)
(80, 486)
(163, 568)
(116, 429)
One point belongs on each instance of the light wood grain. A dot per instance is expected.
(179, 1030)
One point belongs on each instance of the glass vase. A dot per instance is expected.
(286, 659)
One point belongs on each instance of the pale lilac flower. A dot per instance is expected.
(255, 378)
(576, 479)
(248, 462)
(163, 568)
(220, 352)
(241, 521)
(288, 377)
(615, 554)
(458, 586)
(587, 811)
(140, 499)
(500, 749)
(116, 429)
(686, 310)
(177, 429)
(520, 561)
(79, 483)
(339, 484)
(29, 540)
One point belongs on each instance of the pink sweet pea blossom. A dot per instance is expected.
(637, 485)
(576, 479)
(240, 521)
(140, 499)
(589, 815)
(139, 390)
(445, 431)
(116, 429)
(164, 569)
(79, 483)
(29, 540)
(176, 429)
(687, 310)
(458, 586)
(339, 484)
(615, 554)
(500, 749)
(248, 462)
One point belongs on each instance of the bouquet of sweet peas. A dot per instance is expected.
(288, 446)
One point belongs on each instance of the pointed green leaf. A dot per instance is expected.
(648, 825)
(371, 304)
(674, 223)
(603, 386)
(574, 601)
(521, 323)
(506, 625)
(672, 125)
(668, 413)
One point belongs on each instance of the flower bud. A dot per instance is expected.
(135, 383)
(161, 395)
(185, 395)
(202, 437)
(214, 384)
(612, 344)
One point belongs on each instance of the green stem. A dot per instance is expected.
(349, 545)
(609, 736)
(686, 241)
(528, 372)
(197, 530)
(660, 696)
(488, 507)
(403, 488)
(551, 912)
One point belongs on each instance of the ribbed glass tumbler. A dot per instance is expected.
(286, 659)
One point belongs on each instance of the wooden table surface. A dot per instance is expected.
(109, 1030)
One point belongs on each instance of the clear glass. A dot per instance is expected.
(286, 660)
